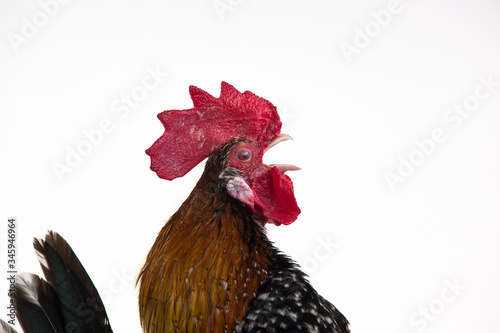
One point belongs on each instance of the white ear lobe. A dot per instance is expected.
(239, 189)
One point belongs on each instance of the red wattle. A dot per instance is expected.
(274, 196)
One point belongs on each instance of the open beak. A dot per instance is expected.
(281, 167)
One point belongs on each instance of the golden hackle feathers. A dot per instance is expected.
(202, 271)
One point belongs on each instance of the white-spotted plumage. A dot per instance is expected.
(286, 302)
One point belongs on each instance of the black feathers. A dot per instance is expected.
(286, 302)
(6, 328)
(37, 301)
(68, 302)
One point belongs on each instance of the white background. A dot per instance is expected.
(382, 255)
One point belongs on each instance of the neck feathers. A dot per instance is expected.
(206, 265)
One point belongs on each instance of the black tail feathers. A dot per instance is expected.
(6, 328)
(67, 302)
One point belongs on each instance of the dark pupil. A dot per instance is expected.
(244, 155)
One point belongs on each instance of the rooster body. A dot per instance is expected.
(212, 267)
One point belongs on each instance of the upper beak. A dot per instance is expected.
(281, 167)
(279, 138)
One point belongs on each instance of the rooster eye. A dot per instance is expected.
(244, 155)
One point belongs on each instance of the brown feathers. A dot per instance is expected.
(206, 265)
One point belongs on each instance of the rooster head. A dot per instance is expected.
(244, 126)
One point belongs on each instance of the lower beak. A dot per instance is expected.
(285, 167)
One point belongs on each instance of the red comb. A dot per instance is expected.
(192, 135)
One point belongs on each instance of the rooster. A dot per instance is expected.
(212, 267)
